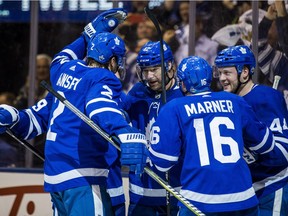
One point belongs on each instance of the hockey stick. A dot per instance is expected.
(26, 144)
(276, 81)
(159, 33)
(114, 142)
(164, 99)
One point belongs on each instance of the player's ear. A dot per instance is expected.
(246, 70)
(245, 74)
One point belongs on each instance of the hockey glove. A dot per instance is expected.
(133, 149)
(8, 117)
(105, 22)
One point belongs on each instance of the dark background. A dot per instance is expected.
(56, 29)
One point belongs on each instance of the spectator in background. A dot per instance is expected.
(8, 153)
(126, 32)
(169, 37)
(7, 98)
(9, 156)
(105, 54)
(141, 31)
(43, 62)
(151, 32)
(204, 46)
(137, 14)
(273, 34)
(138, 6)
(282, 25)
(146, 29)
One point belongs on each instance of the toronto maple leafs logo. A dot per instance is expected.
(243, 50)
(101, 57)
(117, 41)
(184, 66)
(148, 131)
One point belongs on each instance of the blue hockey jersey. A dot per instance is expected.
(207, 130)
(33, 122)
(270, 107)
(75, 155)
(143, 106)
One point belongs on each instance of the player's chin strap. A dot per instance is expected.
(241, 83)
(169, 80)
(113, 141)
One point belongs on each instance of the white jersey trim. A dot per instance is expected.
(262, 143)
(97, 200)
(76, 173)
(219, 198)
(277, 202)
(70, 52)
(282, 149)
(148, 191)
(281, 139)
(100, 100)
(115, 192)
(163, 169)
(106, 109)
(270, 149)
(163, 156)
(33, 121)
(132, 138)
(270, 180)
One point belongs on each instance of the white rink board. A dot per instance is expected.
(21, 193)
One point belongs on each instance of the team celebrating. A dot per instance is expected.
(225, 152)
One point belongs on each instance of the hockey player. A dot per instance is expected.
(143, 103)
(77, 159)
(34, 122)
(207, 131)
(236, 66)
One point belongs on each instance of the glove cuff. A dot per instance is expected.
(132, 138)
(13, 112)
(89, 30)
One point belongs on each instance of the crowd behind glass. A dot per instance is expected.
(211, 17)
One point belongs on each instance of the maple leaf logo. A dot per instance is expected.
(148, 129)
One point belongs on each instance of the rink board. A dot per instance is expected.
(21, 193)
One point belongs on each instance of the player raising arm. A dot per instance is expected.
(209, 130)
(77, 160)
